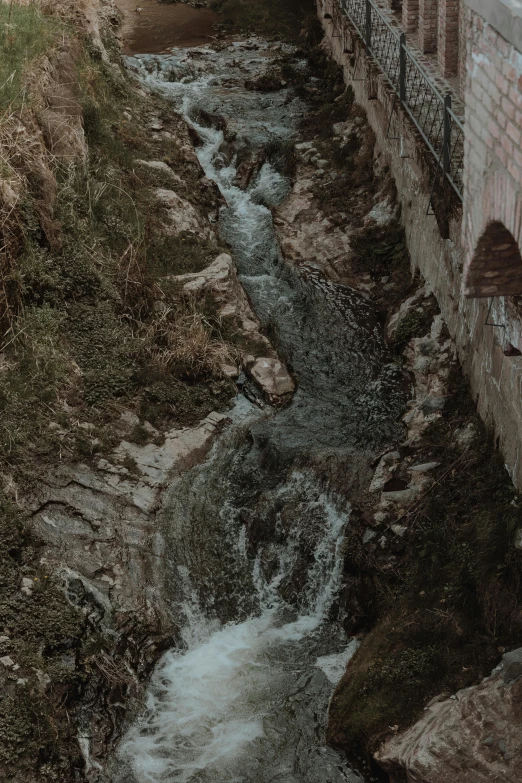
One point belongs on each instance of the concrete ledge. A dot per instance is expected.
(504, 15)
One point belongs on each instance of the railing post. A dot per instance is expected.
(402, 69)
(368, 24)
(446, 153)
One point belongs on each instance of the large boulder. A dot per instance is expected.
(473, 737)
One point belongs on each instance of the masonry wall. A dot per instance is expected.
(448, 37)
(496, 379)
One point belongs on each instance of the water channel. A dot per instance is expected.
(254, 535)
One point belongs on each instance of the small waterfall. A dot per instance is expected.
(207, 705)
(255, 534)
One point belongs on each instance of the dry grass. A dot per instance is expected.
(180, 341)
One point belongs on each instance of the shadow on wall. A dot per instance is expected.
(496, 266)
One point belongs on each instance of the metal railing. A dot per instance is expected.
(429, 110)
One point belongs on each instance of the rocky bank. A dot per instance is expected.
(407, 580)
(126, 328)
(127, 331)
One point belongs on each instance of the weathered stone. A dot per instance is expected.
(162, 168)
(181, 216)
(273, 377)
(27, 586)
(474, 737)
(512, 666)
(424, 468)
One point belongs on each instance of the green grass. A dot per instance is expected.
(24, 34)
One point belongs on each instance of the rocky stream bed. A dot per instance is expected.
(269, 540)
(253, 541)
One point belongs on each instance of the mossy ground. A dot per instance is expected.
(40, 632)
(86, 333)
(439, 614)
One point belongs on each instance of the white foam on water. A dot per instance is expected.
(214, 701)
(334, 666)
(207, 704)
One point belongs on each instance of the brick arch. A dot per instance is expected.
(493, 241)
(496, 266)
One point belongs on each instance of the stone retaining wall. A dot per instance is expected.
(484, 350)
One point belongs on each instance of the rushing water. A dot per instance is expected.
(254, 536)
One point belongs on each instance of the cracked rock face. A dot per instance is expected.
(221, 278)
(181, 216)
(102, 520)
(473, 737)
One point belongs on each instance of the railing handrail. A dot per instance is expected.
(441, 126)
(386, 21)
(456, 119)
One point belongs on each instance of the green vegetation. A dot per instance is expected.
(40, 629)
(95, 323)
(438, 620)
(100, 320)
(24, 34)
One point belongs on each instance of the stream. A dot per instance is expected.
(253, 557)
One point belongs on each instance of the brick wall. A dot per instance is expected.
(448, 37)
(428, 23)
(410, 15)
(464, 24)
(492, 206)
(493, 159)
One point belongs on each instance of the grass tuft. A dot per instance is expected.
(24, 35)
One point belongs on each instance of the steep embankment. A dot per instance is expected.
(123, 325)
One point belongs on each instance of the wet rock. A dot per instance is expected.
(274, 379)
(307, 236)
(385, 471)
(181, 216)
(181, 448)
(220, 277)
(474, 737)
(412, 305)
